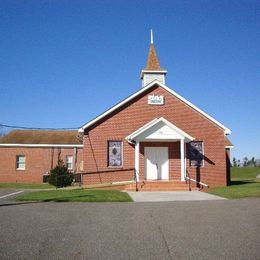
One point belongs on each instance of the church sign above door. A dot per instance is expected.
(155, 100)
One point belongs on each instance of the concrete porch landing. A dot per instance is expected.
(172, 196)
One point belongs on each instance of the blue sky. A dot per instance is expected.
(64, 62)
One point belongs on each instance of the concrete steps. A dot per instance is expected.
(159, 186)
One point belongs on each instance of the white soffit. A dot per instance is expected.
(159, 129)
(229, 146)
(226, 130)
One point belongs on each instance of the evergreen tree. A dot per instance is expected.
(60, 176)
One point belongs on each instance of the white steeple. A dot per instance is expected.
(153, 69)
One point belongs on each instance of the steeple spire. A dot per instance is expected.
(152, 60)
(153, 69)
(151, 36)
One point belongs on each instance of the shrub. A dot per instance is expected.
(60, 176)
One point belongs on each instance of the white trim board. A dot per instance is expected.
(153, 123)
(229, 146)
(43, 145)
(226, 130)
(152, 72)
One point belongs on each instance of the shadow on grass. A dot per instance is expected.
(68, 199)
(233, 183)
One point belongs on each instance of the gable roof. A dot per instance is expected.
(155, 82)
(33, 137)
(146, 127)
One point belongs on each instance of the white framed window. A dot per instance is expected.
(115, 154)
(196, 153)
(20, 162)
(69, 162)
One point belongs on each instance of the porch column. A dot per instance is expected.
(182, 160)
(137, 145)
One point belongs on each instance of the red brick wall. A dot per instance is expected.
(38, 162)
(108, 177)
(134, 115)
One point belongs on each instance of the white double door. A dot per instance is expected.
(156, 163)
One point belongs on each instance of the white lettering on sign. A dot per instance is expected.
(155, 100)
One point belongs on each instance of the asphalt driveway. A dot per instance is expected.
(8, 193)
(223, 229)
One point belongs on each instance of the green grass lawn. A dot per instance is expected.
(244, 173)
(243, 184)
(79, 195)
(26, 186)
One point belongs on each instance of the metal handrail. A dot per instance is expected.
(82, 174)
(199, 182)
(108, 171)
(188, 178)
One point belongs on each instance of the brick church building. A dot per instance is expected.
(155, 137)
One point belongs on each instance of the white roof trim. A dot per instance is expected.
(152, 72)
(117, 106)
(43, 145)
(226, 130)
(229, 146)
(154, 122)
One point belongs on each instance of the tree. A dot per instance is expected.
(238, 163)
(60, 176)
(253, 162)
(234, 162)
(245, 161)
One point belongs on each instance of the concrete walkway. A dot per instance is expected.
(172, 196)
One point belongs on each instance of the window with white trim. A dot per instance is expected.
(20, 162)
(115, 158)
(196, 153)
(69, 162)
